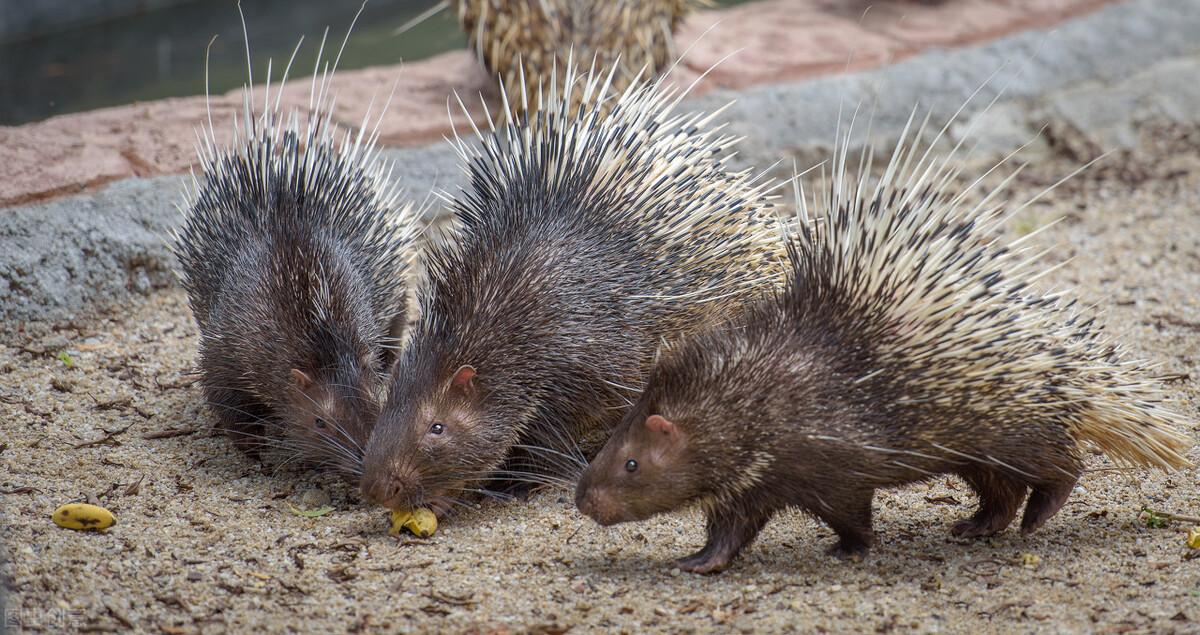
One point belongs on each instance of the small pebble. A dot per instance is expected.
(313, 498)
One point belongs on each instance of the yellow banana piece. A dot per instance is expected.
(83, 517)
(1193, 538)
(421, 522)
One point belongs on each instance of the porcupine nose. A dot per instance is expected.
(390, 487)
(583, 501)
(592, 503)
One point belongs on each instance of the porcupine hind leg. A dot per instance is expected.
(730, 529)
(1056, 469)
(999, 499)
(1045, 501)
(850, 519)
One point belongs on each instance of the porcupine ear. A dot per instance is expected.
(660, 425)
(301, 379)
(667, 440)
(464, 378)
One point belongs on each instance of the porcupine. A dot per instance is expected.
(908, 343)
(528, 43)
(584, 241)
(294, 252)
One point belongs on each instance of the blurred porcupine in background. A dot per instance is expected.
(584, 241)
(528, 43)
(294, 252)
(909, 342)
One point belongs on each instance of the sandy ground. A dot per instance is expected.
(206, 541)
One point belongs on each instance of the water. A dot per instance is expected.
(161, 53)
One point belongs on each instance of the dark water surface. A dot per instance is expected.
(161, 53)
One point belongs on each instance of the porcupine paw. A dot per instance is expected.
(999, 499)
(979, 526)
(704, 562)
(247, 437)
(851, 550)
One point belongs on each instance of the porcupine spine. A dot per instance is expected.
(528, 43)
(342, 186)
(952, 313)
(636, 173)
(294, 252)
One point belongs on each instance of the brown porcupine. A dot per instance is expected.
(528, 43)
(907, 343)
(293, 252)
(584, 240)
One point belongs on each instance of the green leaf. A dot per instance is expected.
(66, 359)
(310, 513)
(1153, 520)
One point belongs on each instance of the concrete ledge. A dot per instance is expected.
(1096, 75)
(83, 251)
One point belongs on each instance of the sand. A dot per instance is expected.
(206, 540)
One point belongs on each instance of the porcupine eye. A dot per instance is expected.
(437, 428)
(631, 465)
(320, 423)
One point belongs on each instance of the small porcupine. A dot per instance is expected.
(907, 343)
(584, 240)
(528, 43)
(294, 252)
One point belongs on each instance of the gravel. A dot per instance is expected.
(205, 540)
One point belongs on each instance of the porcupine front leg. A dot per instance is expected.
(850, 519)
(240, 418)
(999, 499)
(730, 529)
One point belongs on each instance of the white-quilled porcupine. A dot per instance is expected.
(294, 252)
(908, 342)
(583, 241)
(528, 44)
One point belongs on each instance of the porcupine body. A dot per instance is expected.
(908, 343)
(528, 43)
(294, 252)
(584, 240)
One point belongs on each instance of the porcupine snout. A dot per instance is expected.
(392, 486)
(598, 504)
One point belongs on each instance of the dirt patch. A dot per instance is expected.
(105, 410)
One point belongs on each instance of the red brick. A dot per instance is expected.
(417, 113)
(776, 41)
(42, 161)
(918, 25)
(1047, 12)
